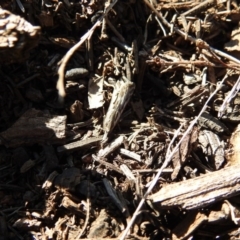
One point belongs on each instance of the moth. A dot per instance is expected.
(122, 93)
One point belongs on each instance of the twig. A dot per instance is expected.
(89, 53)
(199, 7)
(116, 32)
(65, 59)
(104, 35)
(79, 144)
(173, 139)
(161, 26)
(122, 45)
(190, 38)
(88, 211)
(229, 97)
(136, 57)
(130, 154)
(128, 173)
(20, 6)
(111, 147)
(106, 164)
(163, 62)
(142, 171)
(167, 161)
(81, 124)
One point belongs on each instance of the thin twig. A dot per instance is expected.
(106, 164)
(190, 38)
(88, 210)
(199, 7)
(65, 59)
(230, 96)
(116, 32)
(173, 139)
(167, 161)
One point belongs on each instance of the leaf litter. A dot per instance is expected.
(119, 119)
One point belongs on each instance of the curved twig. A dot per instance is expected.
(65, 59)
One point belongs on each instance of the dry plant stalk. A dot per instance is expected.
(122, 93)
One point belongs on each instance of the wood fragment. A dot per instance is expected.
(189, 224)
(79, 144)
(35, 126)
(180, 157)
(107, 164)
(130, 154)
(127, 172)
(166, 162)
(112, 193)
(200, 191)
(17, 36)
(111, 147)
(199, 7)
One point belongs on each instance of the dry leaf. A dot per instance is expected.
(95, 93)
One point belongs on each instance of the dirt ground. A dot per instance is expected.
(119, 119)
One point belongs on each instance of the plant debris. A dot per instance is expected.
(119, 119)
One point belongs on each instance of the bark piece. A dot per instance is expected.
(130, 154)
(68, 179)
(189, 224)
(35, 126)
(17, 37)
(234, 44)
(180, 157)
(112, 193)
(200, 191)
(79, 144)
(111, 147)
(233, 152)
(100, 227)
(127, 172)
(208, 121)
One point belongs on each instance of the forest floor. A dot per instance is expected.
(119, 119)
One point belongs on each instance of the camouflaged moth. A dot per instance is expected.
(122, 93)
